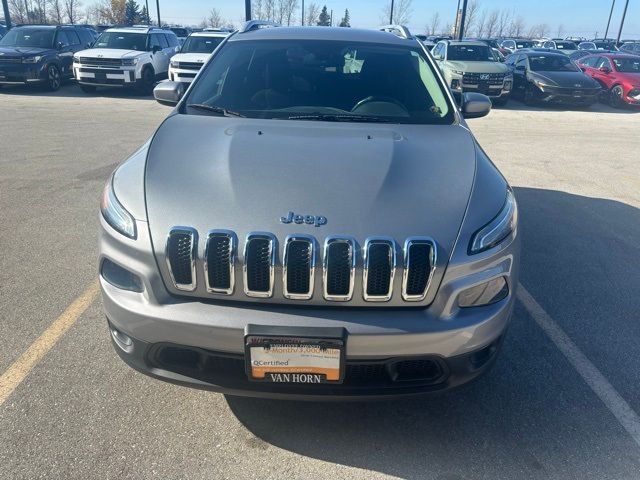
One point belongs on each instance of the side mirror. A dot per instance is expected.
(168, 93)
(582, 67)
(60, 45)
(156, 49)
(475, 105)
(605, 69)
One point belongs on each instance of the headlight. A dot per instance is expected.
(497, 229)
(35, 59)
(115, 214)
(129, 62)
(76, 60)
(457, 72)
(175, 64)
(484, 294)
(541, 84)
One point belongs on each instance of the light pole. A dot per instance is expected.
(7, 17)
(146, 2)
(391, 13)
(158, 8)
(247, 10)
(624, 14)
(302, 22)
(455, 28)
(463, 17)
(613, 4)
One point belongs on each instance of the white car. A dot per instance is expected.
(126, 57)
(195, 52)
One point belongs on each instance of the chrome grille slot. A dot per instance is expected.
(180, 252)
(339, 268)
(379, 269)
(419, 267)
(259, 263)
(190, 65)
(219, 262)
(298, 267)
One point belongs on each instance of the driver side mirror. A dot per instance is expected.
(156, 49)
(168, 93)
(475, 105)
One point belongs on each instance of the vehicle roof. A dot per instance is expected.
(321, 33)
(51, 27)
(137, 30)
(547, 51)
(477, 43)
(613, 54)
(210, 34)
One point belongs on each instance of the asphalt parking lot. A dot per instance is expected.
(562, 401)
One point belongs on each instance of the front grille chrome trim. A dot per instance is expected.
(273, 253)
(433, 258)
(312, 267)
(352, 268)
(369, 242)
(185, 287)
(233, 246)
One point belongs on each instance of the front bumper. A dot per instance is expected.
(182, 75)
(568, 96)
(207, 331)
(107, 77)
(22, 74)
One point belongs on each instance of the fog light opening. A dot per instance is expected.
(122, 340)
(120, 277)
(484, 294)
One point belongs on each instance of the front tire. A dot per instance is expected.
(147, 82)
(54, 78)
(616, 97)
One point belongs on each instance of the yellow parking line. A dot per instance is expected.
(19, 369)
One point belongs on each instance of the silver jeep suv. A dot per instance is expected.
(313, 220)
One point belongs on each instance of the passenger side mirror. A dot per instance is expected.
(475, 105)
(156, 49)
(168, 93)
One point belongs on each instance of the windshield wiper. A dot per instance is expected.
(215, 109)
(336, 117)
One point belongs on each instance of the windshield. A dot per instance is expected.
(122, 41)
(470, 53)
(552, 63)
(627, 65)
(566, 46)
(311, 79)
(198, 44)
(29, 37)
(180, 32)
(587, 46)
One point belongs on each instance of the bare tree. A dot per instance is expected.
(287, 10)
(434, 24)
(18, 11)
(56, 11)
(516, 27)
(215, 20)
(312, 13)
(503, 22)
(492, 23)
(72, 9)
(482, 21)
(560, 31)
(540, 30)
(402, 11)
(473, 10)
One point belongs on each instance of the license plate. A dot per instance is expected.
(295, 356)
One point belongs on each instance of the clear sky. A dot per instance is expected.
(577, 17)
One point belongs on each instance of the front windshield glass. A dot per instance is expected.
(324, 80)
(198, 44)
(552, 63)
(627, 65)
(29, 37)
(122, 41)
(566, 46)
(470, 53)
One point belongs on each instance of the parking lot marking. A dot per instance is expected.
(617, 405)
(19, 369)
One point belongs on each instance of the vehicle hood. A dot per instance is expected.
(23, 51)
(243, 175)
(108, 53)
(477, 67)
(566, 79)
(191, 57)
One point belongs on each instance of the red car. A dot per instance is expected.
(618, 73)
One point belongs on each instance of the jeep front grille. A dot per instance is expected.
(259, 263)
(339, 260)
(181, 249)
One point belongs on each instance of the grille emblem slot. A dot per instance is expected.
(339, 268)
(298, 267)
(379, 269)
(219, 262)
(180, 252)
(260, 251)
(419, 267)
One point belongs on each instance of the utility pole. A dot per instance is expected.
(158, 8)
(624, 14)
(613, 4)
(391, 13)
(463, 17)
(148, 15)
(7, 17)
(455, 27)
(302, 13)
(332, 17)
(247, 10)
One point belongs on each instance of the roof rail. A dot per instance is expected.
(399, 30)
(256, 25)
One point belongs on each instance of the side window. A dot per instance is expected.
(589, 61)
(509, 44)
(511, 60)
(163, 40)
(73, 37)
(438, 50)
(154, 41)
(172, 40)
(602, 62)
(549, 45)
(522, 62)
(61, 38)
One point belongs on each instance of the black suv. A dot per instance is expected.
(40, 54)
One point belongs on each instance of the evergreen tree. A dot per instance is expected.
(145, 19)
(324, 20)
(346, 19)
(131, 12)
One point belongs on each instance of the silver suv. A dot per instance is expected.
(313, 220)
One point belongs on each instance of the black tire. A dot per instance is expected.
(88, 88)
(616, 97)
(147, 82)
(54, 78)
